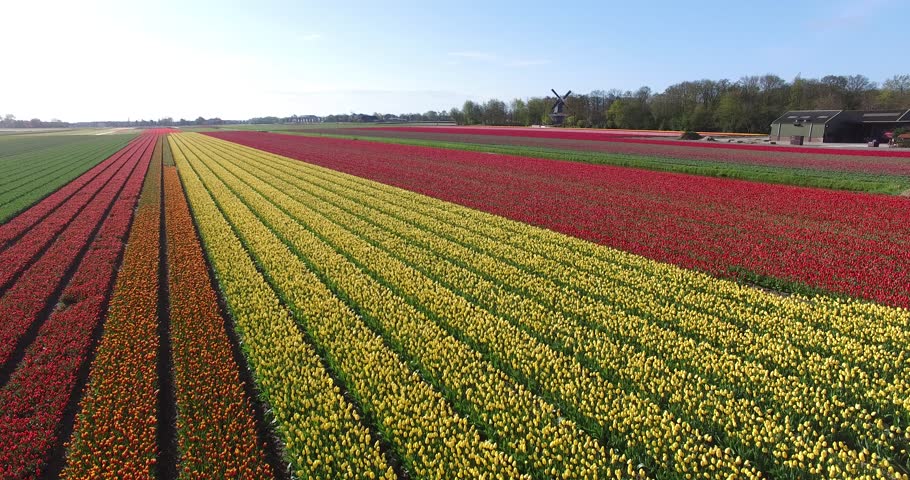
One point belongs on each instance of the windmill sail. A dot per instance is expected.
(558, 116)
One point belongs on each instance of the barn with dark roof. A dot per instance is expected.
(838, 126)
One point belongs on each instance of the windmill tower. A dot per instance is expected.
(558, 115)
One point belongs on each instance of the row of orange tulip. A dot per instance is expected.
(216, 432)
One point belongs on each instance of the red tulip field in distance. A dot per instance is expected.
(638, 136)
(338, 303)
(847, 243)
(869, 161)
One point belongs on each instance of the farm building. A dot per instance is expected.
(838, 126)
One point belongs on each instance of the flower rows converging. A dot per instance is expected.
(216, 433)
(565, 358)
(35, 395)
(115, 431)
(484, 388)
(119, 430)
(66, 289)
(35, 229)
(786, 238)
(429, 437)
(293, 307)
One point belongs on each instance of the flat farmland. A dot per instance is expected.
(240, 304)
(454, 241)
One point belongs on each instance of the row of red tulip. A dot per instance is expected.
(33, 401)
(21, 223)
(689, 152)
(115, 431)
(785, 237)
(25, 299)
(18, 254)
(626, 136)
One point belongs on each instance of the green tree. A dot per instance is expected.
(519, 113)
(538, 111)
(494, 112)
(895, 92)
(729, 113)
(458, 116)
(473, 113)
(616, 114)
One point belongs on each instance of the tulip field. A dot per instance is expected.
(882, 171)
(782, 237)
(242, 304)
(643, 137)
(31, 169)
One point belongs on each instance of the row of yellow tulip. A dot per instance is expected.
(494, 281)
(320, 431)
(431, 438)
(690, 396)
(627, 418)
(216, 431)
(576, 308)
(713, 329)
(527, 428)
(652, 321)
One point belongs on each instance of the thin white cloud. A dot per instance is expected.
(852, 14)
(483, 56)
(489, 57)
(527, 63)
(311, 36)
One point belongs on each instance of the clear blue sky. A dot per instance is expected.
(121, 59)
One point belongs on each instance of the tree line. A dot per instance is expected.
(428, 116)
(10, 121)
(747, 105)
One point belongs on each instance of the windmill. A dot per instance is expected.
(558, 116)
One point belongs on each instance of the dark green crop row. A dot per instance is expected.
(33, 167)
